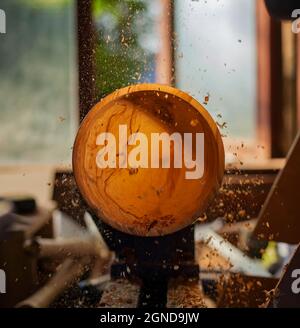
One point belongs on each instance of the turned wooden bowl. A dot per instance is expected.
(148, 200)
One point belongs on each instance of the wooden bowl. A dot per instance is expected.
(147, 201)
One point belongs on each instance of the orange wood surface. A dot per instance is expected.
(147, 201)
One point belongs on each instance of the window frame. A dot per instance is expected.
(269, 78)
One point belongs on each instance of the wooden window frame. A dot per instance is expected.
(269, 68)
(86, 52)
(273, 130)
(86, 57)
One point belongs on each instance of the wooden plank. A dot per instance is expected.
(269, 82)
(279, 217)
(289, 87)
(263, 76)
(86, 57)
(298, 78)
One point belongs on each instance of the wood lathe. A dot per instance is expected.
(145, 212)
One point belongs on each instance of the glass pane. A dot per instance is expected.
(216, 62)
(127, 42)
(37, 85)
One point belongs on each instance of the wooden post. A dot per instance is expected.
(165, 56)
(269, 82)
(298, 79)
(86, 56)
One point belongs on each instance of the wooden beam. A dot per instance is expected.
(263, 77)
(298, 79)
(165, 56)
(86, 57)
(269, 82)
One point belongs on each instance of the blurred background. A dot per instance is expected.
(59, 57)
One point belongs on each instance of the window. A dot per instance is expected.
(215, 60)
(38, 100)
(127, 42)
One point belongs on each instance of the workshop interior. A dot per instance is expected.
(75, 234)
